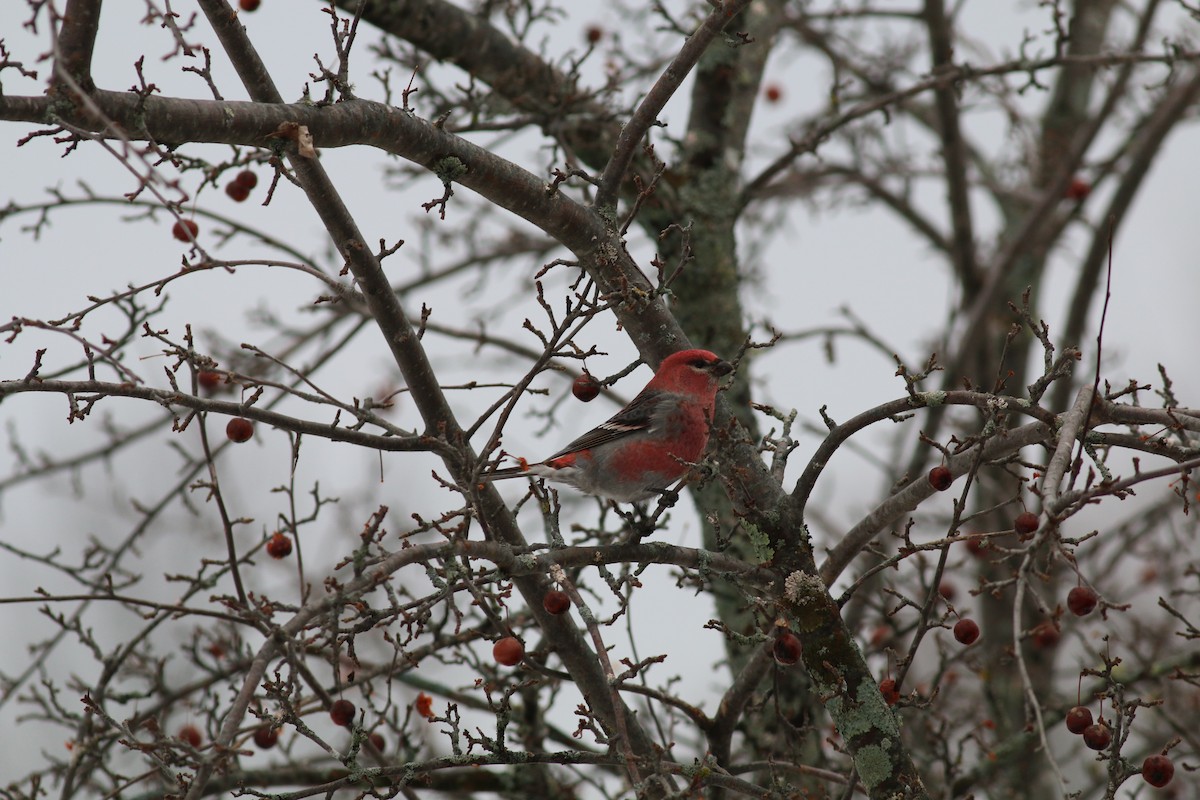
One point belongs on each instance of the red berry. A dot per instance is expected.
(1025, 523)
(1078, 719)
(265, 737)
(976, 545)
(508, 651)
(1082, 601)
(239, 430)
(585, 388)
(947, 590)
(183, 227)
(342, 713)
(279, 546)
(1097, 736)
(424, 705)
(887, 688)
(966, 631)
(190, 734)
(377, 741)
(1045, 634)
(773, 93)
(246, 178)
(556, 602)
(237, 191)
(940, 478)
(1078, 189)
(787, 648)
(593, 33)
(208, 380)
(881, 636)
(249, 5)
(1158, 770)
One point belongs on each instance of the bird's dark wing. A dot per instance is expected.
(637, 416)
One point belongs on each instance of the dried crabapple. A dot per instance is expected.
(556, 602)
(940, 478)
(966, 631)
(239, 429)
(342, 713)
(508, 651)
(787, 649)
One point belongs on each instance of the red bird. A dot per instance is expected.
(649, 444)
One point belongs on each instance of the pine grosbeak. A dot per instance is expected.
(647, 445)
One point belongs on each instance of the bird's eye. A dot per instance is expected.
(699, 363)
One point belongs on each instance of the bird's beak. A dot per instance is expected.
(721, 368)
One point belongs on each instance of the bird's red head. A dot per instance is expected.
(696, 372)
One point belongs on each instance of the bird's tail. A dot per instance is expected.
(508, 472)
(522, 469)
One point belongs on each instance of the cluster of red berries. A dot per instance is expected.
(1044, 635)
(1157, 770)
(239, 189)
(1081, 600)
(186, 230)
(342, 712)
(1096, 735)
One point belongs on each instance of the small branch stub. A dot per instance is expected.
(299, 134)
